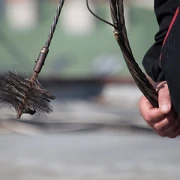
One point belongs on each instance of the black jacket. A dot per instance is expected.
(165, 11)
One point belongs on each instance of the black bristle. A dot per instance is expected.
(13, 90)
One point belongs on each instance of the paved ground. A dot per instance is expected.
(92, 156)
(100, 139)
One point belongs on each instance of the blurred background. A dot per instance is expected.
(95, 131)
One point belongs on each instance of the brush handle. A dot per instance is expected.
(41, 60)
(44, 51)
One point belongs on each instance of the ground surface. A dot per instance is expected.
(99, 139)
(92, 156)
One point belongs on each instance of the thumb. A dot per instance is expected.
(164, 98)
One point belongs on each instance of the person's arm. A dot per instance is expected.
(163, 120)
(164, 10)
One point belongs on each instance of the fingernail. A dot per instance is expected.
(165, 108)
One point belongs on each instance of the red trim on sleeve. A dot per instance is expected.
(171, 25)
(169, 30)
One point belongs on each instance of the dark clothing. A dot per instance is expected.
(165, 11)
(162, 61)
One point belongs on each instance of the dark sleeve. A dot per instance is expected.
(164, 10)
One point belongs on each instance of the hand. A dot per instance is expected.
(163, 120)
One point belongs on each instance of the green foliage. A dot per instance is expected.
(72, 56)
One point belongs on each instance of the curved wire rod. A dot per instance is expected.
(101, 19)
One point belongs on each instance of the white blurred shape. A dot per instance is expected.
(107, 64)
(148, 4)
(76, 19)
(22, 14)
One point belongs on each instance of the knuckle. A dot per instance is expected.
(148, 119)
(158, 126)
(164, 124)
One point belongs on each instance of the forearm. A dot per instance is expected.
(164, 10)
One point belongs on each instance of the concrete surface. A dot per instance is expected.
(92, 156)
(103, 138)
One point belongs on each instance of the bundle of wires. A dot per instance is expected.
(120, 34)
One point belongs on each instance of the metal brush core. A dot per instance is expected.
(25, 98)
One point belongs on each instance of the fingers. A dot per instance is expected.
(167, 127)
(164, 98)
(172, 132)
(148, 112)
(164, 125)
(165, 122)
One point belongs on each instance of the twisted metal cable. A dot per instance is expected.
(53, 27)
(45, 49)
(120, 34)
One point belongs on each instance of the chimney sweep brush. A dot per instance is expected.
(27, 95)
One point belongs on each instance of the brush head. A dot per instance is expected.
(24, 96)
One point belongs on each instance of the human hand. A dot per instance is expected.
(163, 120)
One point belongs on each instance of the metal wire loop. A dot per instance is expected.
(101, 19)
